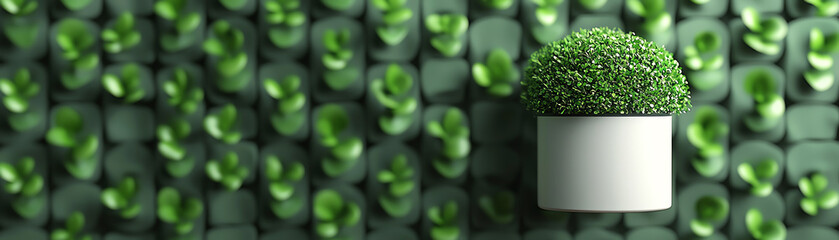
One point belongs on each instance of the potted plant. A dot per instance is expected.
(603, 100)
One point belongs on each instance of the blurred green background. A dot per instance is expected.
(391, 119)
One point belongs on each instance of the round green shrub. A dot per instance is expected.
(604, 72)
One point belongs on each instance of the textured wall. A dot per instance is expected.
(236, 119)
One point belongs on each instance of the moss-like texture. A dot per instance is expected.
(604, 72)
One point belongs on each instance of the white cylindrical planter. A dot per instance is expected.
(604, 163)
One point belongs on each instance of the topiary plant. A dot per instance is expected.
(769, 105)
(20, 33)
(286, 202)
(25, 185)
(395, 14)
(227, 45)
(67, 133)
(816, 194)
(170, 136)
(656, 18)
(603, 72)
(824, 8)
(77, 48)
(122, 198)
(393, 92)
(454, 134)
(185, 23)
(222, 125)
(183, 95)
(286, 20)
(444, 220)
(400, 182)
(820, 76)
(497, 74)
(709, 209)
(760, 230)
(339, 75)
(122, 35)
(127, 86)
(289, 116)
(228, 172)
(500, 207)
(72, 229)
(333, 213)
(447, 32)
(705, 133)
(17, 94)
(703, 56)
(759, 176)
(764, 36)
(344, 151)
(182, 213)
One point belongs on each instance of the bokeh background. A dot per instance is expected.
(390, 119)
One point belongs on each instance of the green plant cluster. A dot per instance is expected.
(453, 133)
(68, 132)
(289, 116)
(179, 211)
(820, 76)
(122, 198)
(228, 171)
(286, 201)
(17, 97)
(704, 56)
(334, 213)
(765, 35)
(184, 21)
(170, 145)
(226, 44)
(447, 32)
(500, 207)
(656, 18)
(603, 72)
(496, 75)
(122, 36)
(344, 150)
(183, 94)
(395, 16)
(18, 29)
(222, 124)
(286, 21)
(816, 194)
(127, 86)
(769, 106)
(758, 176)
(25, 185)
(705, 133)
(340, 74)
(445, 221)
(399, 178)
(78, 50)
(73, 229)
(394, 93)
(825, 8)
(547, 15)
(761, 229)
(709, 210)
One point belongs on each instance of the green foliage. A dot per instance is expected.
(394, 92)
(183, 95)
(592, 4)
(706, 133)
(447, 32)
(226, 43)
(338, 75)
(233, 5)
(769, 105)
(170, 145)
(338, 5)
(825, 8)
(122, 35)
(394, 17)
(333, 213)
(703, 56)
(454, 134)
(764, 36)
(820, 76)
(546, 12)
(77, 48)
(17, 93)
(76, 5)
(285, 203)
(496, 75)
(72, 229)
(444, 220)
(656, 17)
(709, 209)
(222, 125)
(602, 72)
(344, 151)
(289, 117)
(228, 172)
(497, 4)
(122, 198)
(816, 194)
(180, 212)
(127, 86)
(500, 206)
(759, 176)
(284, 13)
(26, 185)
(400, 182)
(66, 132)
(185, 23)
(19, 7)
(760, 230)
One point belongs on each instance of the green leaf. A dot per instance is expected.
(75, 222)
(395, 207)
(15, 103)
(292, 104)
(445, 233)
(131, 211)
(295, 19)
(349, 149)
(481, 74)
(819, 182)
(762, 189)
(546, 15)
(113, 200)
(701, 228)
(32, 186)
(230, 66)
(774, 29)
(392, 35)
(751, 18)
(819, 61)
(434, 23)
(754, 221)
(168, 205)
(188, 23)
(397, 80)
(326, 229)
(113, 85)
(828, 200)
(401, 188)
(281, 191)
(819, 80)
(397, 16)
(816, 39)
(8, 172)
(747, 173)
(86, 149)
(809, 206)
(295, 172)
(637, 7)
(806, 187)
(183, 228)
(385, 176)
(327, 205)
(60, 137)
(192, 208)
(288, 208)
(166, 10)
(340, 80)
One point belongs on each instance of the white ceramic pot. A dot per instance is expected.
(604, 163)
